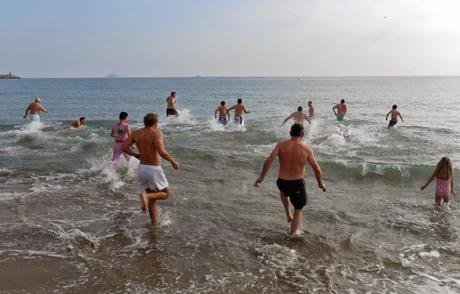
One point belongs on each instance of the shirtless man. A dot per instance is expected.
(224, 115)
(34, 109)
(341, 110)
(293, 156)
(79, 122)
(299, 117)
(149, 142)
(394, 116)
(239, 109)
(171, 105)
(311, 110)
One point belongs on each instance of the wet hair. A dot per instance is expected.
(342, 101)
(222, 103)
(444, 169)
(173, 93)
(300, 108)
(239, 100)
(309, 102)
(395, 106)
(296, 130)
(38, 99)
(82, 118)
(150, 119)
(123, 115)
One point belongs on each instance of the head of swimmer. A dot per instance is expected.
(342, 101)
(82, 120)
(395, 106)
(310, 103)
(296, 131)
(123, 116)
(222, 103)
(38, 100)
(300, 109)
(151, 120)
(173, 94)
(239, 101)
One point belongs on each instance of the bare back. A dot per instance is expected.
(299, 117)
(239, 108)
(35, 108)
(293, 155)
(171, 101)
(148, 141)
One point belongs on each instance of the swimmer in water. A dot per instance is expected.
(79, 122)
(224, 115)
(311, 110)
(394, 116)
(444, 175)
(171, 105)
(341, 110)
(293, 156)
(120, 131)
(299, 117)
(239, 109)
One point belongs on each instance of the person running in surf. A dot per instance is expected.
(341, 110)
(293, 156)
(311, 110)
(444, 175)
(394, 116)
(299, 116)
(34, 109)
(149, 142)
(239, 109)
(79, 122)
(171, 105)
(120, 131)
(224, 115)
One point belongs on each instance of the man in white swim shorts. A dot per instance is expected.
(149, 142)
(34, 110)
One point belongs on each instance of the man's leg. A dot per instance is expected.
(285, 202)
(296, 222)
(153, 211)
(149, 195)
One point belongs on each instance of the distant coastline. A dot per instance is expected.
(9, 76)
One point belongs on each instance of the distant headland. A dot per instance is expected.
(9, 76)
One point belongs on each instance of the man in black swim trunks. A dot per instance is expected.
(293, 156)
(171, 102)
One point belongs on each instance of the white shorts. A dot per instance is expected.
(34, 117)
(152, 177)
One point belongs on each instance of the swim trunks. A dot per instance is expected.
(340, 117)
(34, 117)
(238, 120)
(171, 111)
(392, 123)
(152, 177)
(223, 120)
(295, 190)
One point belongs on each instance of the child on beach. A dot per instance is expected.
(120, 131)
(394, 116)
(444, 175)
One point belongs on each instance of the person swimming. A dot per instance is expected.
(79, 122)
(171, 105)
(34, 109)
(299, 116)
(311, 110)
(239, 109)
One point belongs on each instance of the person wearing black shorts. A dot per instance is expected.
(171, 105)
(293, 156)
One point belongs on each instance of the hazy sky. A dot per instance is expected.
(68, 38)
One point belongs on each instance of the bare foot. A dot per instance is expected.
(143, 196)
(289, 218)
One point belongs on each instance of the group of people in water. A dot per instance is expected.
(293, 154)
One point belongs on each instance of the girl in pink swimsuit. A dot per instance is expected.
(121, 131)
(444, 176)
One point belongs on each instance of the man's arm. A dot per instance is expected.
(316, 169)
(333, 109)
(215, 112)
(267, 164)
(128, 130)
(400, 116)
(307, 118)
(127, 147)
(231, 108)
(245, 110)
(27, 111)
(43, 109)
(288, 118)
(386, 117)
(164, 153)
(227, 113)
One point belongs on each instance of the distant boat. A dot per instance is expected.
(9, 76)
(112, 76)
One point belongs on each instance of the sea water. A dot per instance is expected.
(69, 222)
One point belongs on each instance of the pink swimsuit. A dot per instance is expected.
(121, 133)
(443, 188)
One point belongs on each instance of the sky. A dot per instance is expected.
(148, 38)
